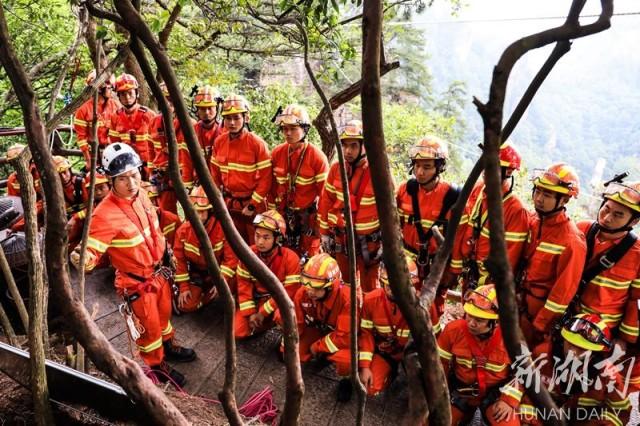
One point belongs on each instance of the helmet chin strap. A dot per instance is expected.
(556, 209)
(626, 227)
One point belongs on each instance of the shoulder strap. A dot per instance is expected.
(610, 257)
(448, 201)
(412, 189)
(78, 181)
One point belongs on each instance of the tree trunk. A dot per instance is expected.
(7, 327)
(13, 290)
(125, 372)
(39, 389)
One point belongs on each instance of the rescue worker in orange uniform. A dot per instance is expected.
(554, 255)
(207, 128)
(73, 186)
(471, 244)
(76, 223)
(83, 118)
(125, 227)
(299, 172)
(241, 166)
(256, 303)
(384, 333)
(196, 287)
(593, 393)
(132, 123)
(614, 292)
(425, 201)
(160, 176)
(322, 307)
(169, 221)
(477, 363)
(363, 205)
(13, 186)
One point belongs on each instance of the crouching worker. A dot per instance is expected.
(256, 303)
(383, 333)
(322, 311)
(125, 227)
(196, 287)
(477, 364)
(586, 380)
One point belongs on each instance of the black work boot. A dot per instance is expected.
(165, 373)
(176, 353)
(344, 390)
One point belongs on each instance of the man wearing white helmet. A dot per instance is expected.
(125, 226)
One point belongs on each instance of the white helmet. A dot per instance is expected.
(119, 158)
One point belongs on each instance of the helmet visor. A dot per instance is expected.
(351, 132)
(314, 282)
(267, 222)
(588, 331)
(624, 193)
(551, 181)
(480, 301)
(233, 106)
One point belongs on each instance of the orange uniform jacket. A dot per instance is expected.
(169, 223)
(297, 183)
(13, 185)
(332, 312)
(383, 329)
(285, 264)
(555, 255)
(129, 232)
(614, 293)
(455, 352)
(431, 203)
(206, 137)
(331, 206)
(516, 227)
(161, 150)
(82, 125)
(134, 129)
(242, 166)
(186, 249)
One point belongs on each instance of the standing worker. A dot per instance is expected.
(125, 227)
(241, 166)
(299, 172)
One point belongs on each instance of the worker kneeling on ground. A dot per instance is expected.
(256, 303)
(384, 333)
(322, 307)
(196, 286)
(593, 392)
(125, 227)
(477, 364)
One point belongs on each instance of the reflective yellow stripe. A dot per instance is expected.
(464, 361)
(444, 354)
(365, 323)
(257, 197)
(365, 356)
(169, 228)
(601, 281)
(550, 248)
(332, 348)
(624, 404)
(511, 392)
(227, 271)
(263, 164)
(268, 308)
(635, 283)
(79, 122)
(609, 318)
(151, 346)
(291, 279)
(455, 263)
(250, 304)
(243, 273)
(191, 248)
(528, 411)
(609, 415)
(494, 367)
(403, 332)
(97, 245)
(383, 328)
(167, 330)
(219, 245)
(629, 330)
(516, 236)
(320, 177)
(366, 226)
(555, 307)
(180, 278)
(131, 242)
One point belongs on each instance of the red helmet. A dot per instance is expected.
(126, 82)
(413, 273)
(272, 221)
(509, 156)
(588, 331)
(199, 199)
(321, 271)
(559, 177)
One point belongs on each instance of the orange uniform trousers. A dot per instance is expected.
(242, 329)
(340, 359)
(381, 371)
(368, 274)
(153, 310)
(457, 416)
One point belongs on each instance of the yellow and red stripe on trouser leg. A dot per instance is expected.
(153, 310)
